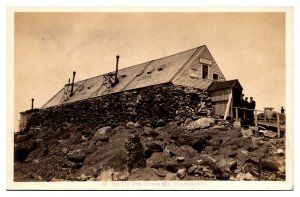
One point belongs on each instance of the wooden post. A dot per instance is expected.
(255, 117)
(259, 169)
(228, 106)
(236, 114)
(265, 116)
(278, 125)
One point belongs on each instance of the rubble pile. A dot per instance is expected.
(163, 132)
(152, 106)
(136, 152)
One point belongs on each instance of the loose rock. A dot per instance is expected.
(201, 123)
(181, 173)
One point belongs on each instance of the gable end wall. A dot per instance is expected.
(184, 78)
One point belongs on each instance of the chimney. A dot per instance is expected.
(74, 73)
(117, 65)
(32, 101)
(69, 81)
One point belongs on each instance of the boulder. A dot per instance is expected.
(182, 151)
(171, 177)
(270, 134)
(192, 169)
(196, 140)
(101, 132)
(270, 165)
(77, 154)
(180, 159)
(280, 152)
(201, 123)
(227, 164)
(157, 158)
(132, 125)
(181, 173)
(244, 177)
(155, 146)
(161, 173)
(252, 168)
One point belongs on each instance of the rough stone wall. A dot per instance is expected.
(152, 106)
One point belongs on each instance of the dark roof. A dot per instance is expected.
(224, 85)
(135, 77)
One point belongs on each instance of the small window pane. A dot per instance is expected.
(215, 76)
(194, 73)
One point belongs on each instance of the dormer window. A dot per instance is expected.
(150, 71)
(160, 68)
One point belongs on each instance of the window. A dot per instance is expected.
(215, 76)
(204, 71)
(194, 73)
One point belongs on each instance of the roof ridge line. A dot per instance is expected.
(145, 62)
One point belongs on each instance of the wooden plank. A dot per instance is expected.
(278, 125)
(255, 117)
(228, 106)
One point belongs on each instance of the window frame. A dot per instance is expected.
(194, 73)
(207, 74)
(215, 74)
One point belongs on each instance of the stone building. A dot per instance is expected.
(195, 68)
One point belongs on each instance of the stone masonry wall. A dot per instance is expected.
(152, 106)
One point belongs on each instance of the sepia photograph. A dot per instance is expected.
(166, 99)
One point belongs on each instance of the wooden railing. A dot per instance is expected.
(237, 110)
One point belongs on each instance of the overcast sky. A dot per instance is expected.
(49, 46)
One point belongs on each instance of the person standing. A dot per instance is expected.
(282, 110)
(252, 105)
(242, 105)
(246, 104)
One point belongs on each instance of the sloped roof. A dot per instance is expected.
(150, 73)
(224, 85)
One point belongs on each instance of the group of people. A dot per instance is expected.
(244, 105)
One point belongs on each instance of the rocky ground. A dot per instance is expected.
(199, 149)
